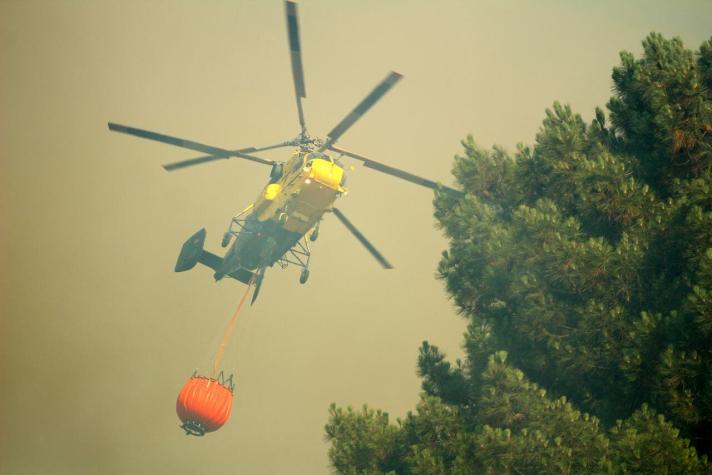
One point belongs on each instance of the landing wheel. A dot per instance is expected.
(226, 239)
(304, 276)
(314, 235)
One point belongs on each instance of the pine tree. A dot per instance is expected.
(587, 258)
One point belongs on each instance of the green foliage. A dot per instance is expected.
(439, 379)
(431, 436)
(593, 272)
(704, 65)
(518, 429)
(646, 443)
(524, 431)
(362, 442)
(587, 257)
(662, 111)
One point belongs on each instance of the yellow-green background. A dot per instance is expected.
(97, 334)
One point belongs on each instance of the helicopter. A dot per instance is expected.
(300, 191)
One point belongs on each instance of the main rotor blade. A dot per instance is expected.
(382, 88)
(295, 51)
(366, 243)
(398, 173)
(178, 142)
(209, 158)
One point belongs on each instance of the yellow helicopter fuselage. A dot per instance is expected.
(309, 185)
(287, 208)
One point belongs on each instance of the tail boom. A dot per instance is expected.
(192, 253)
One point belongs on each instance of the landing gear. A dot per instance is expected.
(282, 218)
(226, 239)
(299, 255)
(315, 234)
(236, 225)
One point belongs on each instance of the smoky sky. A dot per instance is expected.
(98, 334)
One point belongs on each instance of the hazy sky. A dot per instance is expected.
(98, 334)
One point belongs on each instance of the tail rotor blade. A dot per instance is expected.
(362, 239)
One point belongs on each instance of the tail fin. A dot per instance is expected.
(258, 284)
(191, 251)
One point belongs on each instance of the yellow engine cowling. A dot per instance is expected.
(327, 173)
(272, 191)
